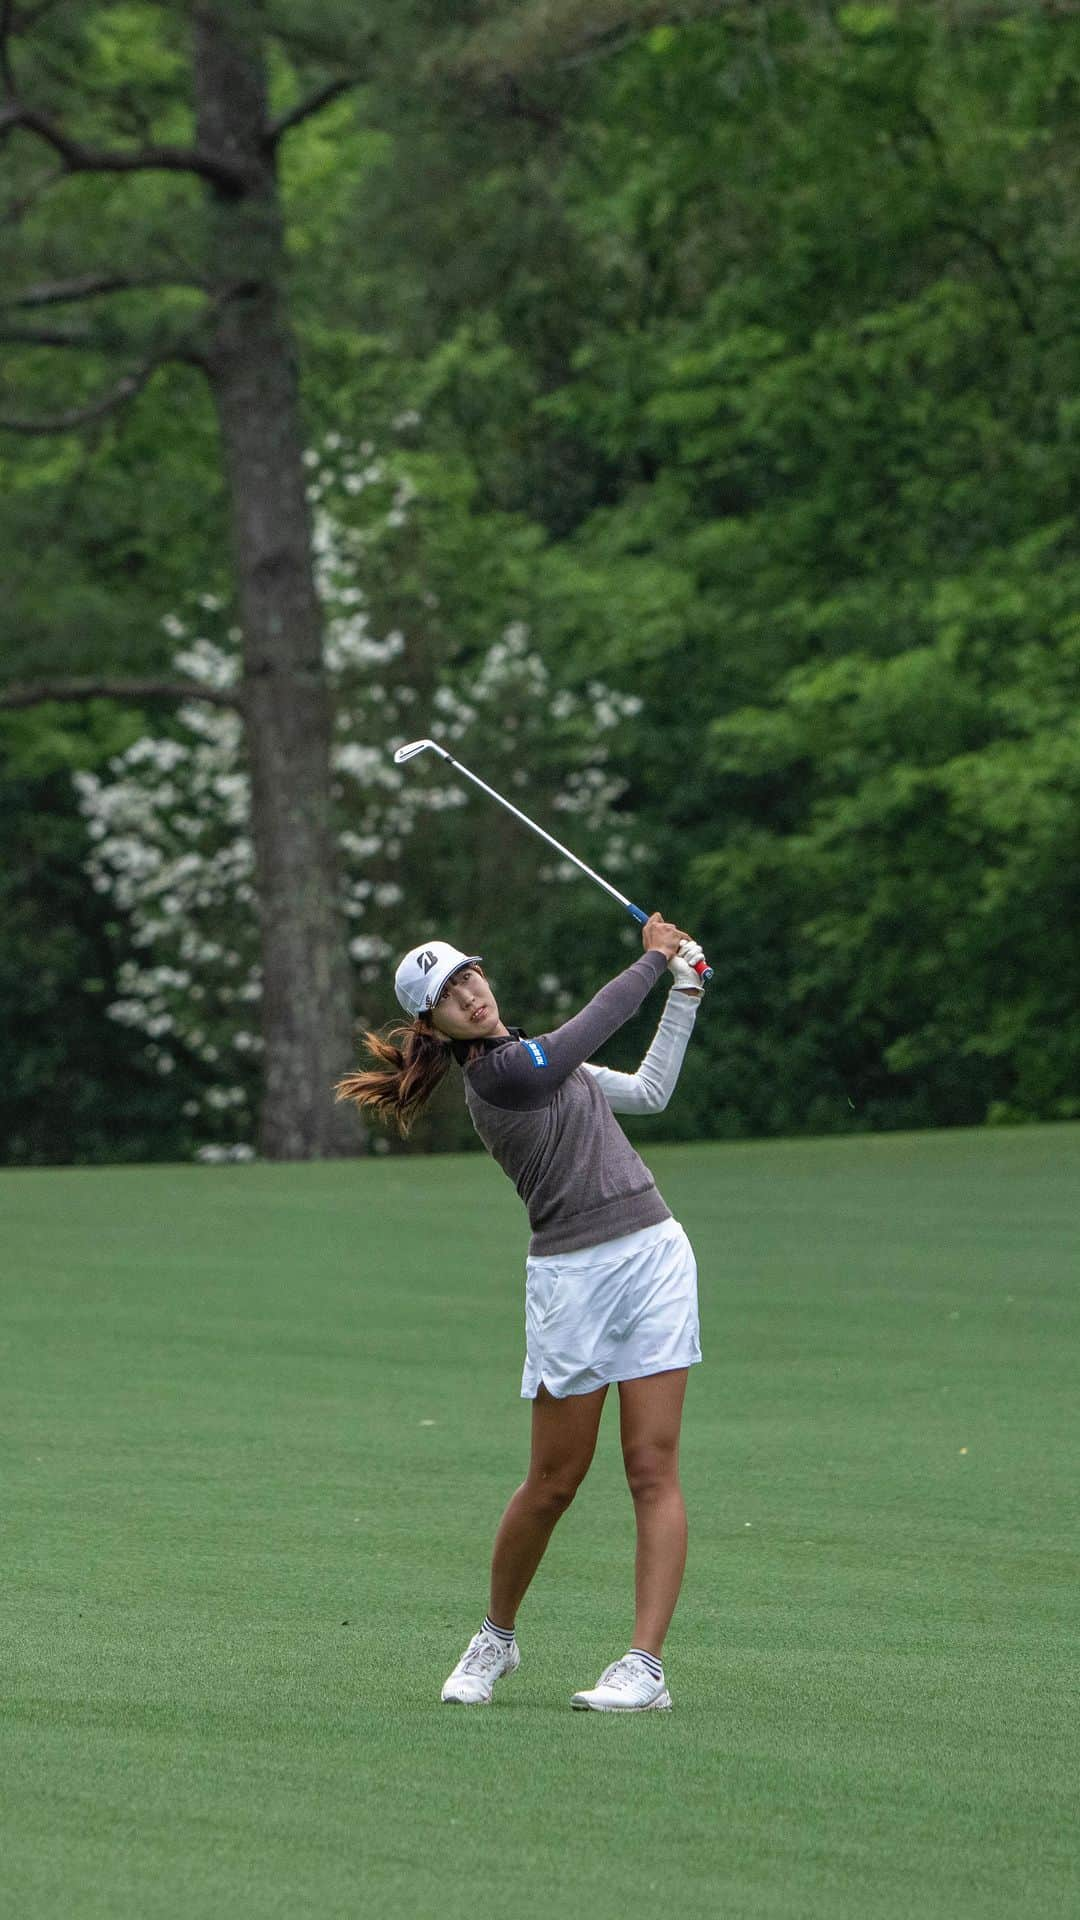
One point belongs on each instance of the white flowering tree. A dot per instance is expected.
(170, 826)
(149, 151)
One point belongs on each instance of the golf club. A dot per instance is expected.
(413, 747)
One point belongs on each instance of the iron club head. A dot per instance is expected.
(413, 747)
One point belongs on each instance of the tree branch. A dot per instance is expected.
(51, 293)
(322, 96)
(603, 43)
(221, 172)
(125, 389)
(188, 349)
(36, 191)
(32, 695)
(603, 47)
(994, 253)
(58, 337)
(550, 37)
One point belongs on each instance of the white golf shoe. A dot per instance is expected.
(626, 1686)
(484, 1661)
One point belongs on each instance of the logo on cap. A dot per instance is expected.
(425, 961)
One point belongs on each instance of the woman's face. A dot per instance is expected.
(466, 1009)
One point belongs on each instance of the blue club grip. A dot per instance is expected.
(702, 968)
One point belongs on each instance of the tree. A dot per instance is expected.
(812, 376)
(750, 342)
(836, 392)
(238, 336)
(197, 278)
(169, 820)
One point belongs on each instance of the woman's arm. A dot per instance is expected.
(528, 1073)
(651, 1087)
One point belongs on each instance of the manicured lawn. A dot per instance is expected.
(259, 1424)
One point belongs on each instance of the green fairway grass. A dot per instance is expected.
(259, 1424)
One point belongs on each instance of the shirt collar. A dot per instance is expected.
(462, 1048)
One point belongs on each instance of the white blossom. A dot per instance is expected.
(209, 664)
(168, 822)
(369, 947)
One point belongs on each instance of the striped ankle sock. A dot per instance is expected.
(655, 1666)
(505, 1634)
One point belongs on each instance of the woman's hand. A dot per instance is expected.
(659, 933)
(682, 968)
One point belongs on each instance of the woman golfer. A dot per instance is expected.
(611, 1281)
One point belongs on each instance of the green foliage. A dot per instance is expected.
(73, 1085)
(932, 878)
(828, 382)
(737, 359)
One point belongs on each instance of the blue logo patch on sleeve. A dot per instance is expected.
(536, 1053)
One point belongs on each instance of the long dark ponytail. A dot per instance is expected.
(400, 1087)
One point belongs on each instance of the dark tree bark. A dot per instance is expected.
(245, 346)
(251, 363)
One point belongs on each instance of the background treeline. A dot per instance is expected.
(734, 371)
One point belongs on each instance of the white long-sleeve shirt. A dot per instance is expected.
(651, 1087)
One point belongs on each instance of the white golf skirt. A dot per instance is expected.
(616, 1311)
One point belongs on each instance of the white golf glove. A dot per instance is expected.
(682, 966)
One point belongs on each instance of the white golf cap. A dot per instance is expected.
(424, 972)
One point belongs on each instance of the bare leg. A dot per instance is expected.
(563, 1442)
(650, 1419)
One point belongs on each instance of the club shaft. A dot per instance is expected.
(552, 842)
(701, 967)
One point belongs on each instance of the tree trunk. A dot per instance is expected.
(252, 364)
